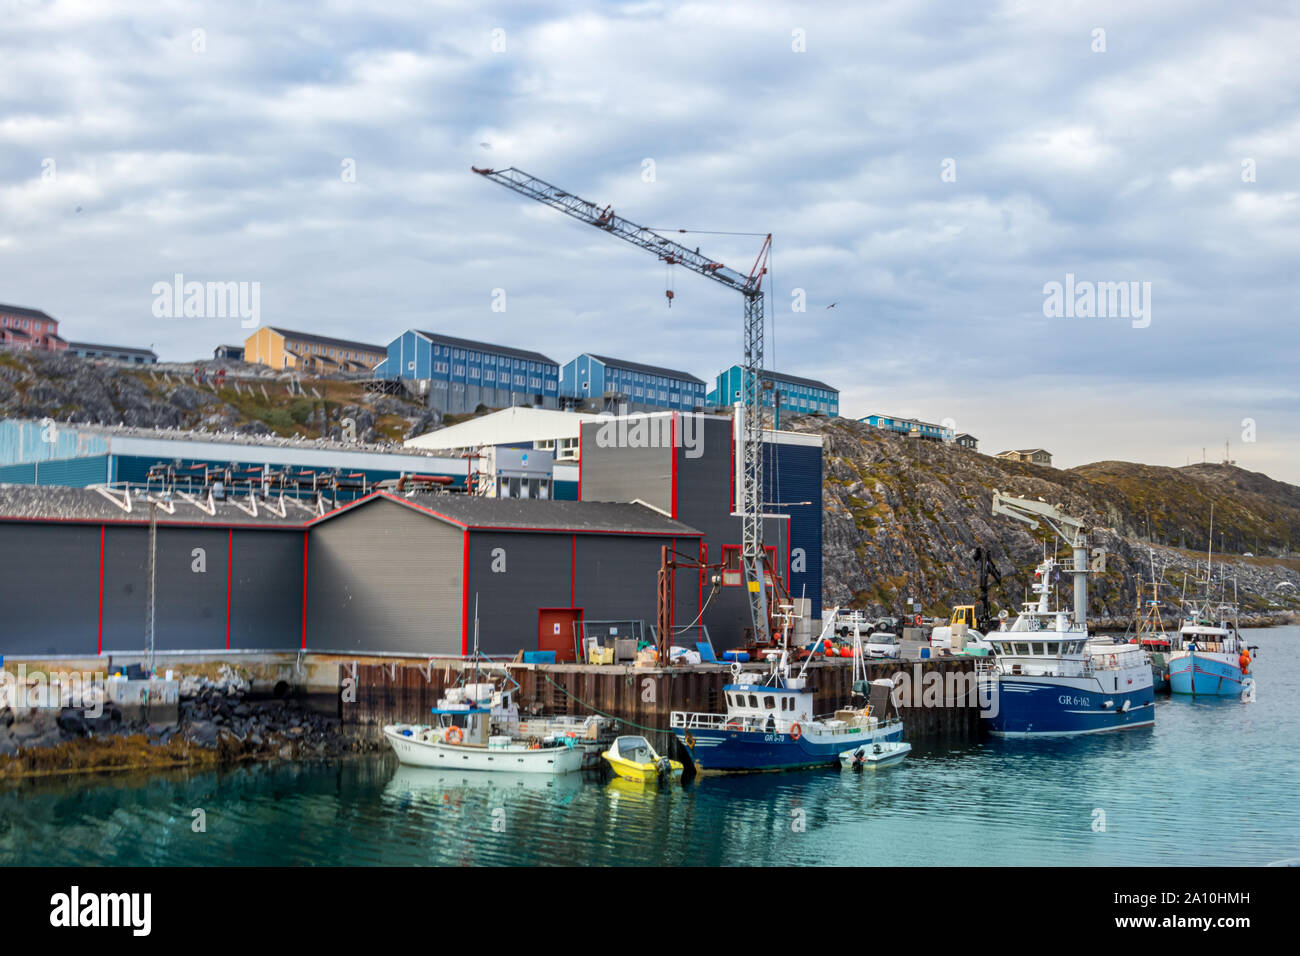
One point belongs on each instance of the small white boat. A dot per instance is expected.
(871, 756)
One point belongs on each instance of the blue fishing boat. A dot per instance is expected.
(1209, 657)
(770, 724)
(1045, 676)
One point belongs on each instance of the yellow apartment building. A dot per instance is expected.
(317, 354)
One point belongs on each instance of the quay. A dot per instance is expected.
(377, 692)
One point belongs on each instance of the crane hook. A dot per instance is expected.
(669, 293)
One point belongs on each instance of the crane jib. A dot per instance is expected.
(750, 438)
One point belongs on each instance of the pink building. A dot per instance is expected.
(29, 329)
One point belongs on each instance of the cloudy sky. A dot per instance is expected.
(925, 168)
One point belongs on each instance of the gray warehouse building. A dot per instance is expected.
(406, 573)
(403, 573)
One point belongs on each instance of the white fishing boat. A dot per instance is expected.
(477, 726)
(873, 756)
(462, 738)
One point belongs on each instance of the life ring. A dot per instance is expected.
(1113, 661)
(457, 733)
(795, 731)
(917, 620)
(732, 725)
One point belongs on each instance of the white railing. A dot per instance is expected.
(680, 720)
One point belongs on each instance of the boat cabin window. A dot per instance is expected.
(769, 703)
(753, 701)
(1022, 648)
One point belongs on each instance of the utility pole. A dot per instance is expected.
(153, 578)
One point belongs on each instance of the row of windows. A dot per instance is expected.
(770, 701)
(489, 375)
(333, 352)
(1041, 649)
(31, 325)
(487, 358)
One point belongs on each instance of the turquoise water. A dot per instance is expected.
(1213, 782)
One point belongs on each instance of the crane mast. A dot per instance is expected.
(750, 414)
(1071, 532)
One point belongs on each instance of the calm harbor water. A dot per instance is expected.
(1228, 766)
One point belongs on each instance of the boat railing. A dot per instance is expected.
(683, 720)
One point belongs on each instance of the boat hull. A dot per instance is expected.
(643, 772)
(514, 758)
(893, 753)
(1206, 674)
(742, 751)
(1030, 706)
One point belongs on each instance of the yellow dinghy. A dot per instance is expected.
(632, 758)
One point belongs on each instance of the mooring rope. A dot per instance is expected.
(623, 720)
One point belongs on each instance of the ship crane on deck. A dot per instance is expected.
(1069, 530)
(750, 286)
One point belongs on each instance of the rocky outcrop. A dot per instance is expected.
(902, 516)
(248, 399)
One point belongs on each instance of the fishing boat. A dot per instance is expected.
(477, 726)
(463, 738)
(1150, 633)
(770, 724)
(633, 759)
(1045, 677)
(1210, 659)
(877, 755)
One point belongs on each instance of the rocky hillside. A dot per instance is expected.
(901, 518)
(251, 399)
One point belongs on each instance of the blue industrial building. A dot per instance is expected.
(804, 396)
(640, 387)
(79, 456)
(462, 374)
(911, 427)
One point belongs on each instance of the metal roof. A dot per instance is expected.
(112, 348)
(25, 313)
(529, 514)
(57, 503)
(485, 347)
(648, 369)
(326, 340)
(797, 380)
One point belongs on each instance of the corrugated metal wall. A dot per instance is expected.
(49, 588)
(794, 473)
(621, 473)
(384, 577)
(512, 574)
(266, 590)
(50, 598)
(190, 609)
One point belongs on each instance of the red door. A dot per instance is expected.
(556, 629)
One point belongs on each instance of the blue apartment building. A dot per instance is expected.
(804, 396)
(460, 374)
